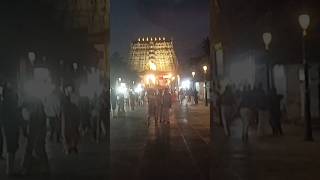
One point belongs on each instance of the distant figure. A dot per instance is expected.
(159, 107)
(84, 107)
(262, 105)
(36, 138)
(121, 104)
(1, 124)
(132, 100)
(11, 125)
(71, 124)
(113, 102)
(245, 112)
(152, 113)
(95, 119)
(227, 103)
(276, 112)
(166, 106)
(195, 95)
(103, 110)
(52, 110)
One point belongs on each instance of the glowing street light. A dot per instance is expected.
(193, 74)
(205, 68)
(267, 38)
(304, 21)
(152, 66)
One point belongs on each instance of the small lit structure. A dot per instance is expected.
(205, 68)
(304, 21)
(267, 37)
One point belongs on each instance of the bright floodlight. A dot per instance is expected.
(151, 79)
(122, 89)
(138, 89)
(153, 66)
(267, 37)
(185, 84)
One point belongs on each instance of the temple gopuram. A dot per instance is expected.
(154, 59)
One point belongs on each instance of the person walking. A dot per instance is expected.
(71, 123)
(151, 106)
(166, 106)
(113, 102)
(262, 105)
(36, 138)
(227, 108)
(275, 111)
(195, 95)
(1, 124)
(11, 124)
(52, 110)
(159, 107)
(245, 112)
(84, 107)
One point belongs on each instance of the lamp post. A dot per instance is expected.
(205, 68)
(304, 21)
(193, 80)
(267, 37)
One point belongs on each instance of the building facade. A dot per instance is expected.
(92, 17)
(157, 50)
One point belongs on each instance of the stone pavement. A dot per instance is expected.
(91, 162)
(184, 150)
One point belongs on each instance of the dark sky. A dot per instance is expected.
(186, 21)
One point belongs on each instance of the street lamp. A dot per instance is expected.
(193, 81)
(267, 38)
(205, 68)
(304, 21)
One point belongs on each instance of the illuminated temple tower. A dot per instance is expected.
(155, 50)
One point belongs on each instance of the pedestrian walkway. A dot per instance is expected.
(175, 151)
(90, 163)
(185, 150)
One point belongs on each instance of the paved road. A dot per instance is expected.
(175, 151)
(184, 150)
(91, 162)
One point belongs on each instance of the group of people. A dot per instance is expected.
(121, 102)
(63, 115)
(252, 106)
(190, 94)
(159, 105)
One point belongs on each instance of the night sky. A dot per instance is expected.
(186, 21)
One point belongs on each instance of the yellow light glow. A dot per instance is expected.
(139, 39)
(193, 73)
(142, 39)
(168, 76)
(152, 66)
(150, 79)
(205, 68)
